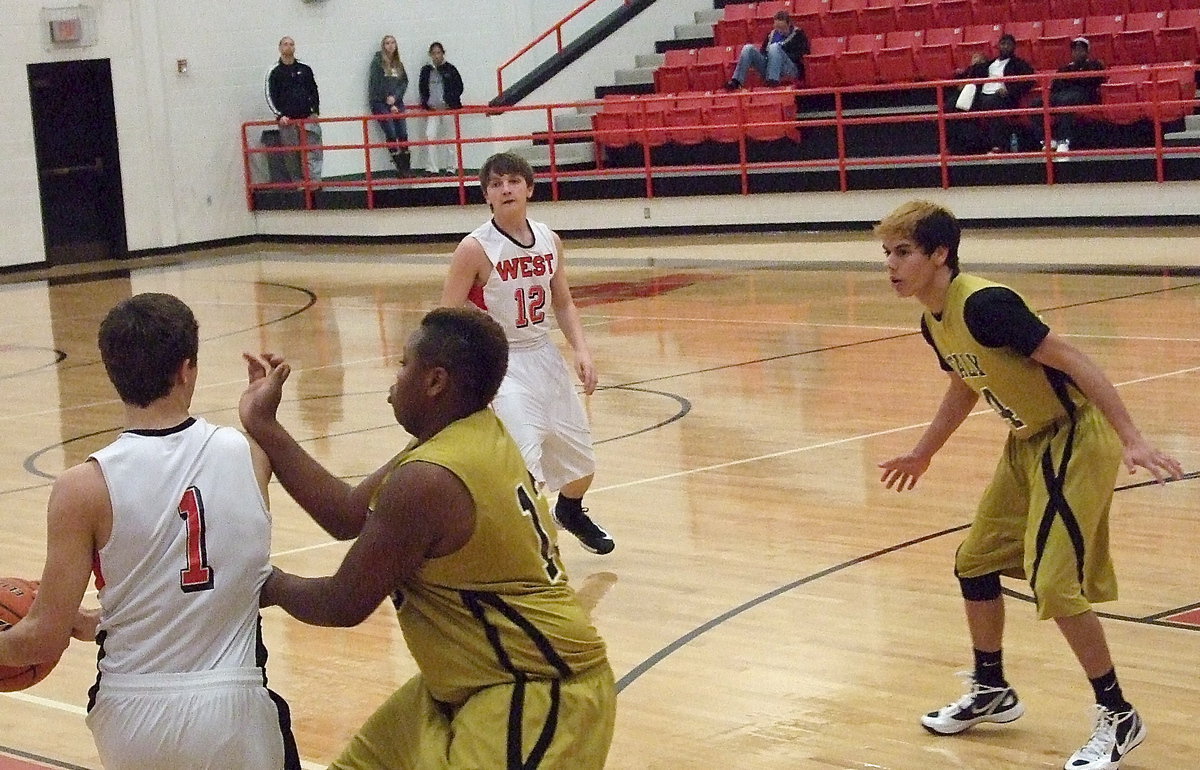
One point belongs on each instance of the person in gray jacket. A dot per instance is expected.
(386, 86)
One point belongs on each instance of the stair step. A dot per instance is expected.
(710, 16)
(636, 88)
(637, 76)
(649, 60)
(572, 121)
(538, 155)
(693, 31)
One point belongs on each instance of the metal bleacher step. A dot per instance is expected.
(651, 60)
(572, 121)
(693, 31)
(538, 155)
(710, 16)
(635, 76)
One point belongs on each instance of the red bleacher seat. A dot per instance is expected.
(904, 37)
(952, 13)
(878, 19)
(934, 62)
(1050, 53)
(990, 11)
(1068, 28)
(1107, 7)
(1180, 5)
(1095, 25)
(1025, 32)
(1178, 44)
(724, 121)
(897, 64)
(671, 80)
(977, 38)
(1118, 99)
(765, 122)
(856, 68)
(915, 16)
(610, 129)
(1139, 46)
(841, 17)
(646, 123)
(820, 66)
(943, 36)
(713, 67)
(733, 28)
(1030, 10)
(1068, 9)
(1166, 95)
(686, 120)
(1102, 46)
(864, 42)
(1151, 20)
(1183, 17)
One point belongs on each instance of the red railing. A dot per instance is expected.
(842, 162)
(555, 30)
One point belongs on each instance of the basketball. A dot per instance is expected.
(16, 597)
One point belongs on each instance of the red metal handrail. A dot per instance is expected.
(842, 163)
(556, 29)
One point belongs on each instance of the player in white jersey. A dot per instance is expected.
(513, 269)
(173, 520)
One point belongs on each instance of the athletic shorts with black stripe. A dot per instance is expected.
(1044, 517)
(536, 724)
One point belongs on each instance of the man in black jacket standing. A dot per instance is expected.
(292, 96)
(995, 95)
(781, 55)
(441, 88)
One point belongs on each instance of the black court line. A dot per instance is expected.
(1155, 482)
(649, 663)
(1146, 620)
(685, 406)
(58, 359)
(39, 758)
(312, 300)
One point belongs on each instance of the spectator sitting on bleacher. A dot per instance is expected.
(1073, 91)
(781, 55)
(994, 95)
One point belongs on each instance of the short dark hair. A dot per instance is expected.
(928, 225)
(1009, 38)
(783, 16)
(436, 44)
(504, 163)
(470, 346)
(143, 342)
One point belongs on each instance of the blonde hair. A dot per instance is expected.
(928, 225)
(391, 65)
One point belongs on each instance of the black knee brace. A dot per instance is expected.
(981, 589)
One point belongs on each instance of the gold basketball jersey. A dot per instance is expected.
(498, 609)
(1015, 386)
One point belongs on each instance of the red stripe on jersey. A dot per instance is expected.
(97, 571)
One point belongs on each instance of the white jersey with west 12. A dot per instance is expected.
(517, 292)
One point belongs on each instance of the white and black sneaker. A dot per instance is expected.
(1115, 734)
(591, 535)
(981, 704)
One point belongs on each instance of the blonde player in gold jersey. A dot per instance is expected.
(453, 529)
(1044, 517)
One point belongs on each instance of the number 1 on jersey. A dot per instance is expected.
(529, 306)
(197, 576)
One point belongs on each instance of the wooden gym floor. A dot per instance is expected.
(769, 604)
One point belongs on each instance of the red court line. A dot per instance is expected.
(16, 763)
(1191, 617)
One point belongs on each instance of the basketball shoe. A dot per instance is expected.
(981, 704)
(578, 523)
(1115, 734)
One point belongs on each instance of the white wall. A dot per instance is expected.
(179, 134)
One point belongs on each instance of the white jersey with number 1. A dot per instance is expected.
(517, 292)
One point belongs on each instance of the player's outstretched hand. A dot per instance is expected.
(260, 400)
(1159, 463)
(902, 472)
